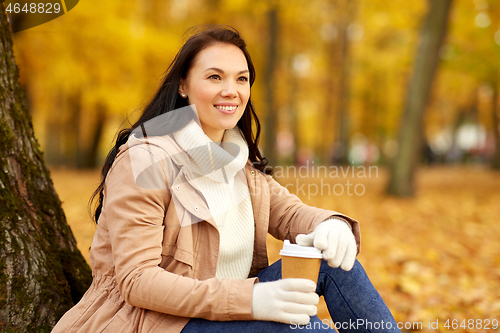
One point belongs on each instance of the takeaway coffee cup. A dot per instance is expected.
(300, 261)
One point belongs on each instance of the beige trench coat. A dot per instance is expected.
(154, 253)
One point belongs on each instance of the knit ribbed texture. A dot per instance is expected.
(220, 177)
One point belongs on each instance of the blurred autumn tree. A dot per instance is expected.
(495, 110)
(42, 272)
(341, 62)
(411, 129)
(269, 86)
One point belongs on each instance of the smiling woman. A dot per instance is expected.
(184, 208)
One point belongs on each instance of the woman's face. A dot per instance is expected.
(218, 84)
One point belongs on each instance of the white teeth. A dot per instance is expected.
(226, 108)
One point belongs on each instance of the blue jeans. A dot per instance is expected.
(353, 303)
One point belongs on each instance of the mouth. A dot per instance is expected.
(227, 109)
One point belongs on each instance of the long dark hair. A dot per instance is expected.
(167, 99)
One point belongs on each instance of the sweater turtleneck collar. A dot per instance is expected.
(207, 158)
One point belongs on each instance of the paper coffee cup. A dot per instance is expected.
(300, 261)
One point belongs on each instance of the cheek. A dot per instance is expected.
(202, 94)
(245, 95)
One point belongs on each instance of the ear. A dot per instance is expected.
(182, 86)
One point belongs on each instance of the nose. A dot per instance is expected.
(229, 90)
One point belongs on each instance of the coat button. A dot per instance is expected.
(196, 208)
(178, 187)
(252, 173)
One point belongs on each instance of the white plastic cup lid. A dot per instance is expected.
(294, 250)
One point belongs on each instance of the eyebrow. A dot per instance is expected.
(222, 72)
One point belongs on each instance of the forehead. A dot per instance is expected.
(227, 57)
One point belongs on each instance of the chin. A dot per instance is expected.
(227, 126)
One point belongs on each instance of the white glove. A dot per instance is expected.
(335, 238)
(285, 301)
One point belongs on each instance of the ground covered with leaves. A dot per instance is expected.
(435, 257)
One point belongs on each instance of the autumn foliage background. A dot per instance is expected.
(432, 257)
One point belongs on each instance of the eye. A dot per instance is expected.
(214, 76)
(243, 78)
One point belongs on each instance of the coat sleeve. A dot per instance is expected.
(289, 216)
(134, 218)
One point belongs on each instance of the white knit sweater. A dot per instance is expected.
(222, 181)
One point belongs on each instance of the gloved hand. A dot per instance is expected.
(335, 238)
(285, 301)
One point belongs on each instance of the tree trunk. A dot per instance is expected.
(270, 117)
(339, 87)
(73, 153)
(93, 151)
(328, 131)
(411, 130)
(212, 6)
(495, 161)
(294, 120)
(342, 141)
(42, 273)
(53, 133)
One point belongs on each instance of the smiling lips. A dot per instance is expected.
(227, 109)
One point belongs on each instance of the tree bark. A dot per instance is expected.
(270, 117)
(42, 273)
(410, 139)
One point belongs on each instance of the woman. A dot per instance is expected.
(184, 208)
